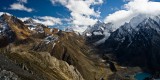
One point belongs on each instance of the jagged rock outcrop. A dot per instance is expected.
(8, 75)
(98, 33)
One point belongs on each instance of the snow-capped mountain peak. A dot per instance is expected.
(137, 20)
(136, 43)
(29, 21)
(129, 28)
(100, 29)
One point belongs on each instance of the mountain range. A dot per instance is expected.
(136, 43)
(33, 51)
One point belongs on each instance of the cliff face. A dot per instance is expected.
(43, 53)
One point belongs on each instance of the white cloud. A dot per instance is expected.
(18, 6)
(45, 20)
(119, 17)
(48, 20)
(81, 20)
(63, 2)
(79, 29)
(132, 9)
(81, 11)
(83, 8)
(24, 18)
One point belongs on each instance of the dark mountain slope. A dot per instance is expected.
(136, 46)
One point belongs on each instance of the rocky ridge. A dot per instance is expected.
(37, 52)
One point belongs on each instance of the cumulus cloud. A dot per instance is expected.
(46, 20)
(18, 6)
(79, 29)
(79, 19)
(132, 9)
(82, 13)
(24, 18)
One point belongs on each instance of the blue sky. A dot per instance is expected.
(62, 13)
(40, 8)
(46, 8)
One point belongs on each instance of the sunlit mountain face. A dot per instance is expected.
(80, 40)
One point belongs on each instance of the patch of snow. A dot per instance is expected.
(88, 34)
(51, 30)
(49, 39)
(31, 28)
(53, 45)
(104, 39)
(134, 22)
(97, 33)
(1, 13)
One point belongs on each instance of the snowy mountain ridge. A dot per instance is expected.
(136, 43)
(106, 29)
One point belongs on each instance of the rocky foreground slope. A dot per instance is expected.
(36, 52)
